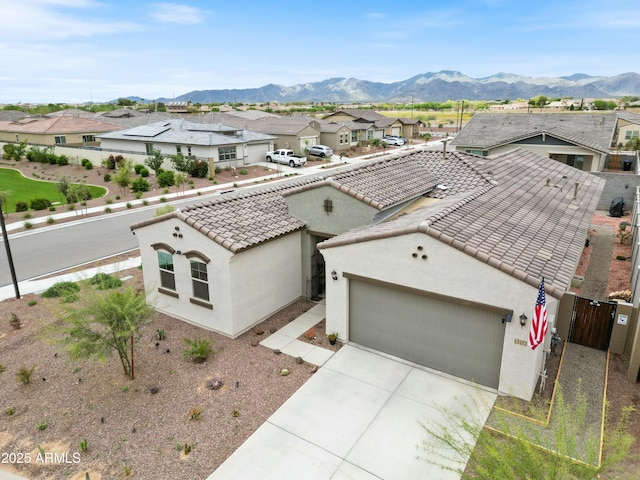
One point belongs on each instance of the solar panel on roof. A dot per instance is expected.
(147, 130)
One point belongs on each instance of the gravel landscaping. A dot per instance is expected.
(139, 428)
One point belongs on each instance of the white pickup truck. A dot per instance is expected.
(286, 156)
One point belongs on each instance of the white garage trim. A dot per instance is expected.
(456, 337)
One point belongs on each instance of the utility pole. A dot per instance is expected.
(8, 248)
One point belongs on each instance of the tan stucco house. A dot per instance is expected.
(581, 140)
(59, 130)
(426, 258)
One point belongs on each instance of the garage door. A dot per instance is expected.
(458, 339)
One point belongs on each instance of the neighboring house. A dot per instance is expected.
(293, 132)
(214, 143)
(628, 127)
(427, 258)
(59, 130)
(581, 140)
(509, 106)
(177, 107)
(381, 125)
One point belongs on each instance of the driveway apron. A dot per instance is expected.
(359, 417)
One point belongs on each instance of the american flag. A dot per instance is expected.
(539, 322)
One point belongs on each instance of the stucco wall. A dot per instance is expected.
(238, 288)
(264, 279)
(446, 272)
(347, 212)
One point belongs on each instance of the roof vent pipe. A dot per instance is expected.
(575, 190)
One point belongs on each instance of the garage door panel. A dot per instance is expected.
(454, 338)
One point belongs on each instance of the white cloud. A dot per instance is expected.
(40, 20)
(175, 13)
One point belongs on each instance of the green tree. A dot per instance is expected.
(516, 448)
(180, 180)
(78, 192)
(123, 175)
(104, 322)
(63, 187)
(154, 162)
(181, 163)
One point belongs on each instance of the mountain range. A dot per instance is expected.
(439, 87)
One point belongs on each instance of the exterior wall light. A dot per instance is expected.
(523, 320)
(334, 275)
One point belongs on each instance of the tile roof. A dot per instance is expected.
(244, 220)
(238, 221)
(487, 130)
(629, 117)
(56, 125)
(381, 184)
(529, 222)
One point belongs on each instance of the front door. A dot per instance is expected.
(317, 276)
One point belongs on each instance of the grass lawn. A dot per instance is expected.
(22, 189)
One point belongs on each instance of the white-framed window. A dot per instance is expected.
(178, 150)
(88, 138)
(60, 139)
(167, 276)
(354, 136)
(188, 150)
(227, 153)
(148, 147)
(199, 279)
(629, 134)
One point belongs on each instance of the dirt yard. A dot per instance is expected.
(99, 421)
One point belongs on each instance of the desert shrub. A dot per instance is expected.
(104, 281)
(51, 158)
(84, 161)
(164, 209)
(107, 177)
(15, 322)
(28, 225)
(140, 185)
(51, 221)
(217, 169)
(22, 206)
(197, 350)
(138, 168)
(243, 171)
(8, 151)
(23, 374)
(199, 169)
(195, 413)
(62, 160)
(88, 165)
(61, 289)
(144, 172)
(166, 179)
(40, 204)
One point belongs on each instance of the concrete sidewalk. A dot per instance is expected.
(39, 285)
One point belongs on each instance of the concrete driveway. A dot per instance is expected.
(359, 417)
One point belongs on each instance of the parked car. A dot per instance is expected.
(320, 151)
(393, 140)
(286, 156)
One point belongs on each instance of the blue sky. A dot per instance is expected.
(82, 50)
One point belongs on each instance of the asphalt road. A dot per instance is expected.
(40, 252)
